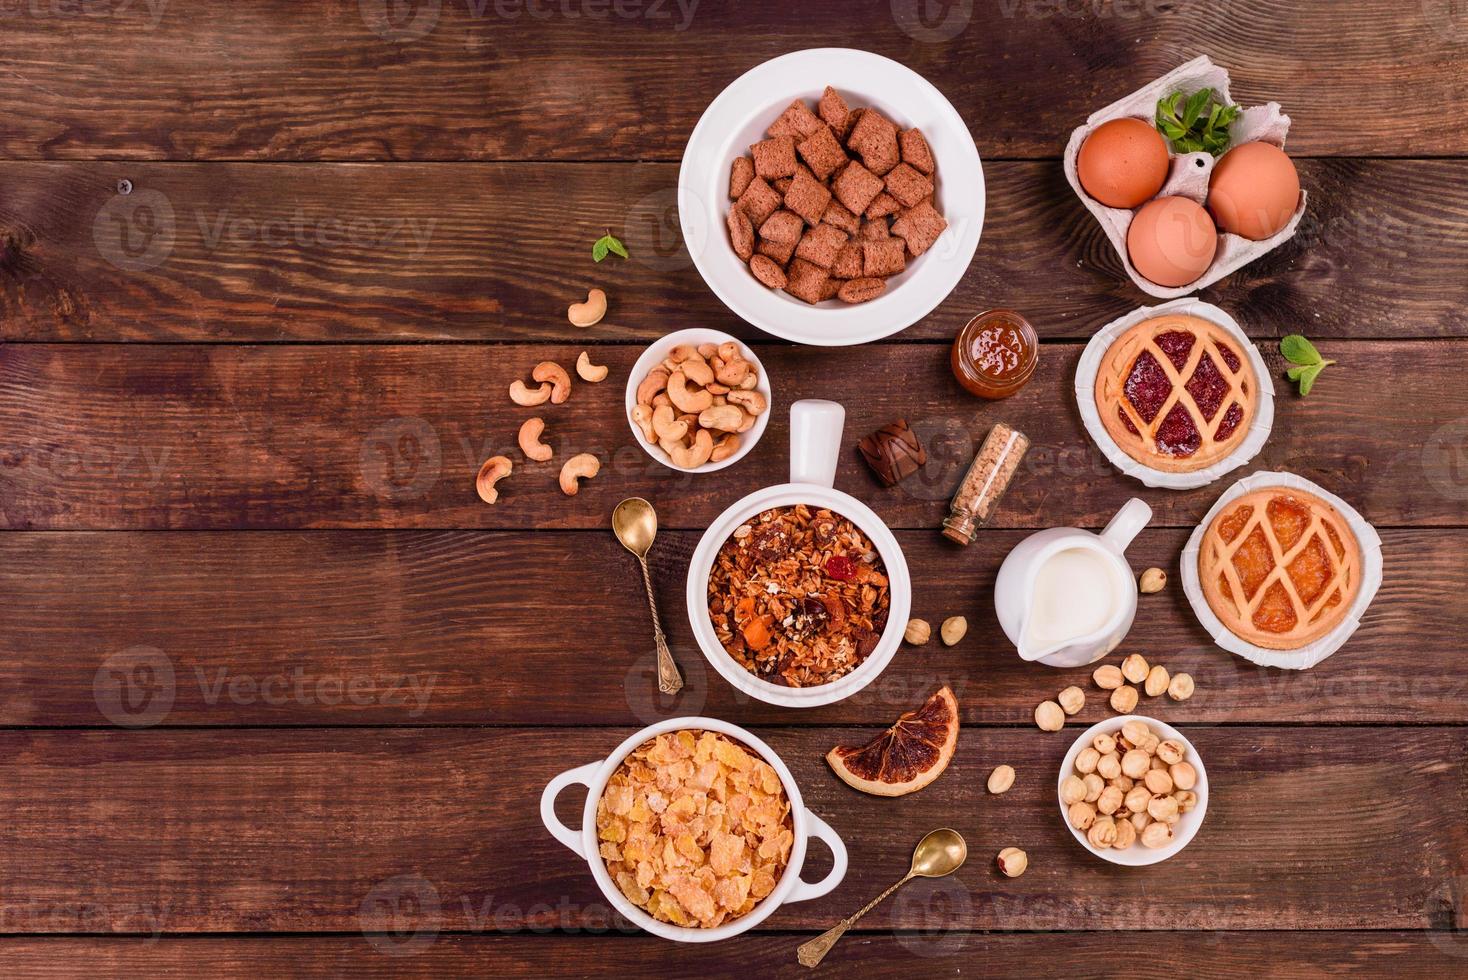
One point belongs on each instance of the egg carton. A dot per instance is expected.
(1188, 173)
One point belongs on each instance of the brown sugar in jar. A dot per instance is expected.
(995, 354)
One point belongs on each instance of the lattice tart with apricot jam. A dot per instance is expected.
(1177, 393)
(1280, 567)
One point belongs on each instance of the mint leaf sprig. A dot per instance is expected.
(1196, 122)
(1307, 360)
(607, 243)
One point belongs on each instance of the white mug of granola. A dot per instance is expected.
(799, 594)
(694, 829)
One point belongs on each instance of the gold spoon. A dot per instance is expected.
(636, 525)
(940, 853)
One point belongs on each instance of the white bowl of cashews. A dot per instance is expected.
(1108, 760)
(681, 412)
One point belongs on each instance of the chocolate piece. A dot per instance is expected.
(893, 452)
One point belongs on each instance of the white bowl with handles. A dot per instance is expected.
(739, 117)
(815, 443)
(583, 840)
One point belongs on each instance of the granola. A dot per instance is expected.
(694, 828)
(798, 596)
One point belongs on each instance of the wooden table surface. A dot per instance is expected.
(279, 693)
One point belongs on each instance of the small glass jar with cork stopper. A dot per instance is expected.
(985, 482)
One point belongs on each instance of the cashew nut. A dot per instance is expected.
(717, 389)
(685, 400)
(729, 351)
(655, 382)
(530, 443)
(495, 468)
(747, 424)
(589, 313)
(557, 376)
(661, 398)
(692, 457)
(733, 372)
(667, 426)
(521, 395)
(642, 415)
(682, 352)
(752, 402)
(707, 351)
(724, 448)
(589, 371)
(725, 418)
(750, 380)
(582, 466)
(697, 370)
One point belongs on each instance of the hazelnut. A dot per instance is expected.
(1086, 760)
(918, 632)
(1110, 800)
(1186, 800)
(1149, 743)
(1153, 579)
(1049, 717)
(1102, 833)
(1156, 835)
(1001, 779)
(1109, 765)
(1104, 743)
(1137, 799)
(1013, 861)
(1158, 781)
(1181, 687)
(1134, 668)
(953, 629)
(1157, 681)
(1163, 808)
(1124, 699)
(1081, 815)
(1139, 820)
(1123, 783)
(1072, 699)
(1094, 785)
(1170, 750)
(1184, 776)
(1134, 731)
(1072, 790)
(1107, 677)
(1136, 763)
(1126, 835)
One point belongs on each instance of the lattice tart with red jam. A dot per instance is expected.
(1177, 393)
(1280, 567)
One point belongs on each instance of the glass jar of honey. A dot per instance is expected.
(995, 354)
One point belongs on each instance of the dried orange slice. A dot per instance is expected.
(907, 756)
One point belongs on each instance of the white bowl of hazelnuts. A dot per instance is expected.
(1133, 791)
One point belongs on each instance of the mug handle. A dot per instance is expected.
(815, 440)
(571, 838)
(805, 890)
(1126, 525)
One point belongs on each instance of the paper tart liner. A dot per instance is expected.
(1085, 385)
(1188, 173)
(1310, 655)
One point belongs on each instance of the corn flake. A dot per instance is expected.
(703, 826)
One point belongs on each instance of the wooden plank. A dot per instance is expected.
(578, 80)
(426, 628)
(472, 252)
(1210, 956)
(128, 436)
(239, 831)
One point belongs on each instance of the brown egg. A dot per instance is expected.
(1123, 163)
(1171, 241)
(1254, 190)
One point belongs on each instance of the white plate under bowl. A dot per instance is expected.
(739, 117)
(1138, 856)
(654, 355)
